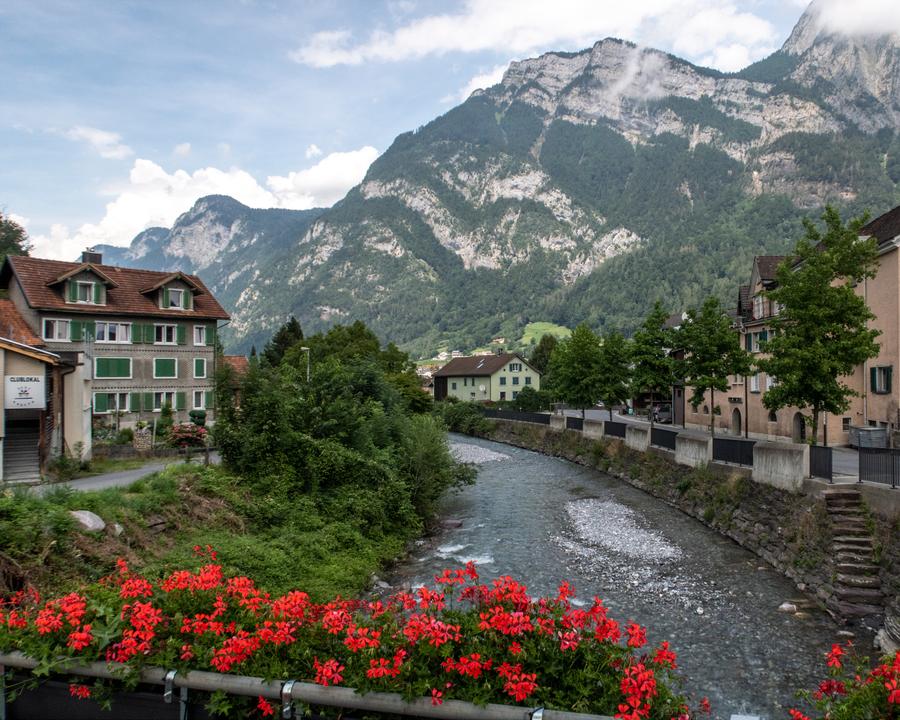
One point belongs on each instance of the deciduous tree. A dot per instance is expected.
(614, 370)
(575, 366)
(13, 238)
(654, 367)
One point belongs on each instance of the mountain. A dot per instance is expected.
(237, 250)
(583, 186)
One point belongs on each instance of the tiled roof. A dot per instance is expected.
(743, 307)
(768, 265)
(239, 363)
(476, 365)
(885, 227)
(14, 327)
(36, 275)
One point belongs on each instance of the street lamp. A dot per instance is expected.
(306, 350)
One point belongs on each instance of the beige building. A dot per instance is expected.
(485, 378)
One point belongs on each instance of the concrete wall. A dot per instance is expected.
(593, 428)
(693, 450)
(77, 410)
(781, 465)
(637, 437)
(558, 422)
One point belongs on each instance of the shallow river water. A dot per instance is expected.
(544, 520)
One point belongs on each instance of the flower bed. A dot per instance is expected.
(461, 639)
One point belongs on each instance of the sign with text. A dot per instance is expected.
(25, 392)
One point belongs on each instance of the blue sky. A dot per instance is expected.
(117, 115)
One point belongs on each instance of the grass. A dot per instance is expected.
(103, 465)
(535, 331)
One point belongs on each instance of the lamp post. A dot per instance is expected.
(306, 350)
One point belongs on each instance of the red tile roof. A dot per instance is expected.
(885, 227)
(35, 275)
(13, 325)
(239, 363)
(477, 365)
(768, 265)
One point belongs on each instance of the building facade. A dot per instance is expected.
(485, 378)
(146, 339)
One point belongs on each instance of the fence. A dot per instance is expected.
(732, 450)
(614, 429)
(532, 417)
(663, 438)
(821, 462)
(879, 465)
(574, 423)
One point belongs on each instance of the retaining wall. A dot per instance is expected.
(781, 465)
(693, 450)
(593, 429)
(637, 437)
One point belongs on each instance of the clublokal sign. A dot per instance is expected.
(24, 392)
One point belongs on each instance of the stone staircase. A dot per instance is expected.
(857, 585)
(21, 463)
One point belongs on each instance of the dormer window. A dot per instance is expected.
(85, 292)
(176, 298)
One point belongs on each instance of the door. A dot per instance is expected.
(736, 422)
(799, 433)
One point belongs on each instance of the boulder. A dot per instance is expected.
(88, 521)
(787, 607)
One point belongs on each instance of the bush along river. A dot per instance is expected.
(544, 520)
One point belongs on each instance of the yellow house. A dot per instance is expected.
(485, 378)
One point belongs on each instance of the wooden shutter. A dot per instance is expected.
(76, 330)
(134, 402)
(199, 368)
(101, 402)
(211, 335)
(187, 300)
(180, 334)
(873, 379)
(71, 291)
(101, 367)
(180, 400)
(90, 330)
(208, 399)
(748, 342)
(888, 372)
(123, 367)
(98, 294)
(150, 334)
(165, 297)
(148, 401)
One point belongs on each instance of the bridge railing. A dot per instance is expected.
(520, 415)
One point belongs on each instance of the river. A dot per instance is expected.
(544, 520)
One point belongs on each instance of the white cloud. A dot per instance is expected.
(324, 183)
(479, 82)
(19, 219)
(155, 197)
(182, 149)
(522, 27)
(313, 151)
(860, 17)
(108, 144)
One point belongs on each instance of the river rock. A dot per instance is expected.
(451, 524)
(787, 607)
(88, 521)
(117, 529)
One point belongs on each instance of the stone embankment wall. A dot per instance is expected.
(790, 530)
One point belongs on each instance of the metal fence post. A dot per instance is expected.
(2, 692)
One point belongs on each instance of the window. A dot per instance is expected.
(515, 394)
(199, 334)
(776, 308)
(754, 383)
(199, 400)
(770, 382)
(515, 380)
(706, 409)
(111, 332)
(165, 368)
(163, 398)
(166, 334)
(502, 395)
(176, 298)
(515, 367)
(881, 379)
(773, 416)
(199, 367)
(845, 424)
(56, 330)
(528, 379)
(84, 292)
(502, 380)
(108, 403)
(453, 386)
(112, 367)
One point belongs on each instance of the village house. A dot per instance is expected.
(485, 378)
(144, 339)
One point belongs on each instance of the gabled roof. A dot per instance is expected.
(885, 227)
(477, 365)
(36, 275)
(13, 325)
(84, 267)
(197, 290)
(32, 352)
(239, 363)
(768, 266)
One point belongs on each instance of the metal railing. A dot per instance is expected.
(614, 429)
(574, 423)
(733, 450)
(879, 465)
(660, 437)
(520, 415)
(821, 462)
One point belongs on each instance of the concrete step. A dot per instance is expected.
(867, 596)
(872, 582)
(857, 569)
(855, 610)
(846, 510)
(852, 540)
(832, 494)
(856, 529)
(853, 558)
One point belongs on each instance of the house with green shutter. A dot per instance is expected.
(144, 338)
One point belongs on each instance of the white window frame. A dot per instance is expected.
(117, 408)
(130, 375)
(57, 322)
(194, 368)
(119, 327)
(880, 379)
(202, 331)
(174, 328)
(528, 379)
(770, 382)
(754, 383)
(202, 395)
(165, 377)
(84, 283)
(758, 307)
(162, 402)
(173, 293)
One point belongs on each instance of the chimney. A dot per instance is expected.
(89, 256)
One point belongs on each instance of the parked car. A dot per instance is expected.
(663, 414)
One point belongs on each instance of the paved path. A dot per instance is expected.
(123, 478)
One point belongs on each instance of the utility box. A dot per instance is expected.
(872, 437)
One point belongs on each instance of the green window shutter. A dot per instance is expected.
(149, 334)
(165, 297)
(148, 401)
(873, 379)
(180, 334)
(211, 336)
(180, 400)
(101, 402)
(134, 402)
(199, 368)
(888, 372)
(123, 367)
(763, 336)
(90, 330)
(98, 293)
(71, 291)
(76, 330)
(748, 341)
(101, 367)
(164, 367)
(208, 399)
(186, 300)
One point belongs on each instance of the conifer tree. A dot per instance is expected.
(284, 339)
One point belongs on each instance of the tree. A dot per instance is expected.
(285, 338)
(654, 367)
(575, 366)
(13, 238)
(712, 352)
(614, 370)
(540, 356)
(821, 332)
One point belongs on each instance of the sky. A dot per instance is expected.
(116, 116)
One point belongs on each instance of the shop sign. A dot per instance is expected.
(25, 392)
